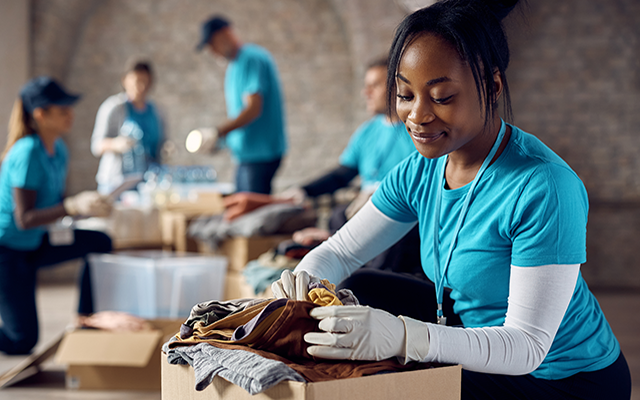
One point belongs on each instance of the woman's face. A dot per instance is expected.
(136, 84)
(56, 119)
(437, 98)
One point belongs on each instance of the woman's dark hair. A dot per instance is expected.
(474, 28)
(136, 65)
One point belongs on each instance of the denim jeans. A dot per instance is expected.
(256, 177)
(19, 330)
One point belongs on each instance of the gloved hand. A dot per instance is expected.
(88, 203)
(202, 140)
(121, 144)
(293, 285)
(356, 333)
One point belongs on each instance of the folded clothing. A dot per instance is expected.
(250, 371)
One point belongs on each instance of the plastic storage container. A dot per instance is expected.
(155, 284)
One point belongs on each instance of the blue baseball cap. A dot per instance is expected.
(44, 91)
(209, 28)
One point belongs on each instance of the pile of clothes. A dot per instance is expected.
(257, 343)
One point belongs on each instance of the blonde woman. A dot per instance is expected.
(32, 186)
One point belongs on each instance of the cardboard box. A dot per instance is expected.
(106, 360)
(236, 287)
(178, 383)
(240, 250)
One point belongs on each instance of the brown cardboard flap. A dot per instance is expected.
(92, 347)
(31, 364)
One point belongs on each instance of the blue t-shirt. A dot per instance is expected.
(529, 209)
(144, 126)
(151, 129)
(29, 166)
(375, 148)
(264, 139)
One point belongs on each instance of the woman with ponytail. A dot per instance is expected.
(32, 185)
(502, 223)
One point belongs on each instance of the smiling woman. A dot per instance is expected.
(502, 224)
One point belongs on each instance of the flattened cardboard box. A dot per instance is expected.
(115, 360)
(178, 383)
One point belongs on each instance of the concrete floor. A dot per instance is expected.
(56, 303)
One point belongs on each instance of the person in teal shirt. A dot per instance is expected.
(32, 201)
(255, 131)
(502, 222)
(129, 129)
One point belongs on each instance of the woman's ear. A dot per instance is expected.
(38, 114)
(498, 84)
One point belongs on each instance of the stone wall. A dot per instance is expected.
(86, 45)
(574, 82)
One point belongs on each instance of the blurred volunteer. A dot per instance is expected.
(32, 185)
(128, 132)
(502, 225)
(374, 149)
(255, 129)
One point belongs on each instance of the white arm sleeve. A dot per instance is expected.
(363, 237)
(109, 118)
(538, 299)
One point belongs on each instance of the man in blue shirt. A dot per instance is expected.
(255, 129)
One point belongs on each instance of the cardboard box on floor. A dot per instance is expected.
(178, 383)
(106, 360)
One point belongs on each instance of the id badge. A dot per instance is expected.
(61, 232)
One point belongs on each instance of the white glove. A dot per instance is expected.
(293, 285)
(88, 203)
(121, 144)
(202, 140)
(356, 333)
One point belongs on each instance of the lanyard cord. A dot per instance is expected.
(439, 280)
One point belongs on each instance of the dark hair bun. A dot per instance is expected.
(501, 8)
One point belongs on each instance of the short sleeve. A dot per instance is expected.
(26, 170)
(352, 154)
(255, 77)
(392, 198)
(549, 222)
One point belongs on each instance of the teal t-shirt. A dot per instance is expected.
(150, 125)
(529, 209)
(29, 166)
(264, 139)
(375, 148)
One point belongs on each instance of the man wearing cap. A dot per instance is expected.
(255, 129)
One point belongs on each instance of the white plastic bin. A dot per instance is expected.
(155, 284)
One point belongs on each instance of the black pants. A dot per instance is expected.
(19, 330)
(403, 294)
